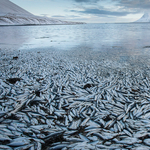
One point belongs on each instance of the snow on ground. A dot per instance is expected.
(144, 18)
(7, 7)
(27, 20)
(11, 14)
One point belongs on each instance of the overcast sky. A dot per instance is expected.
(89, 11)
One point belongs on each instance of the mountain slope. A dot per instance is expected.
(11, 14)
(144, 18)
(7, 7)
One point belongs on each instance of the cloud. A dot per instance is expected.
(134, 4)
(85, 1)
(103, 12)
(68, 16)
(111, 8)
(45, 15)
(58, 16)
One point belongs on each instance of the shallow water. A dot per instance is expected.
(121, 40)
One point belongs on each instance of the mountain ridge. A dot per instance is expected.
(12, 14)
(144, 18)
(8, 7)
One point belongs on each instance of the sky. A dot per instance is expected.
(89, 11)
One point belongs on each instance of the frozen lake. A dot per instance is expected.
(123, 40)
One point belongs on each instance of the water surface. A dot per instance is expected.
(118, 39)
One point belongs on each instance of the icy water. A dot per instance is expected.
(123, 40)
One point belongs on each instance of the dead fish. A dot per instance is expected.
(23, 147)
(39, 127)
(19, 142)
(85, 121)
(84, 138)
(5, 147)
(52, 135)
(130, 141)
(75, 124)
(147, 141)
(60, 146)
(4, 138)
(73, 139)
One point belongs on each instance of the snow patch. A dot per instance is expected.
(144, 18)
(11, 14)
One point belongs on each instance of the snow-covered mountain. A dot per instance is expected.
(144, 18)
(11, 14)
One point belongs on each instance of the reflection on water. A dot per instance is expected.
(13, 37)
(124, 40)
